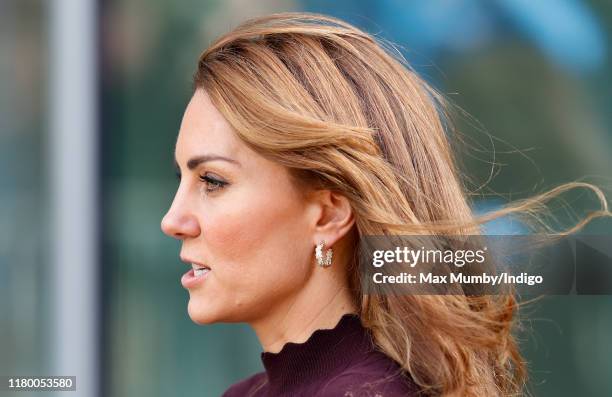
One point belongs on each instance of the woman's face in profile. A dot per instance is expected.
(238, 214)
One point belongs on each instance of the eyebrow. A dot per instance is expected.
(193, 162)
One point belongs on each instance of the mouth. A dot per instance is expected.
(199, 270)
(197, 274)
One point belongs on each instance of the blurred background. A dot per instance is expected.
(91, 98)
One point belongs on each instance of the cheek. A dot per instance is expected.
(258, 242)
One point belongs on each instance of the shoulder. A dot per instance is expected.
(377, 375)
(246, 386)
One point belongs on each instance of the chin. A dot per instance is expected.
(200, 313)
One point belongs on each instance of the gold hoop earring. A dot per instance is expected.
(323, 261)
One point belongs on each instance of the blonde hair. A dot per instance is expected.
(332, 104)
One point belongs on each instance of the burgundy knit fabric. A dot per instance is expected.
(341, 361)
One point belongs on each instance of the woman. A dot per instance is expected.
(303, 134)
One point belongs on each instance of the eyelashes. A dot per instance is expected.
(211, 184)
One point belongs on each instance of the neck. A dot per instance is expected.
(318, 305)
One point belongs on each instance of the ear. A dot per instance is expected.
(334, 217)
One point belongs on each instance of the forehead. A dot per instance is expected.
(205, 130)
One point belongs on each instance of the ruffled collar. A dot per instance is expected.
(324, 353)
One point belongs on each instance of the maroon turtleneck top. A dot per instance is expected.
(340, 361)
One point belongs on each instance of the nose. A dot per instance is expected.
(180, 224)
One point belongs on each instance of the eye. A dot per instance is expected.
(212, 184)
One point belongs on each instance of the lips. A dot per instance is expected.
(194, 263)
(196, 275)
(197, 272)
